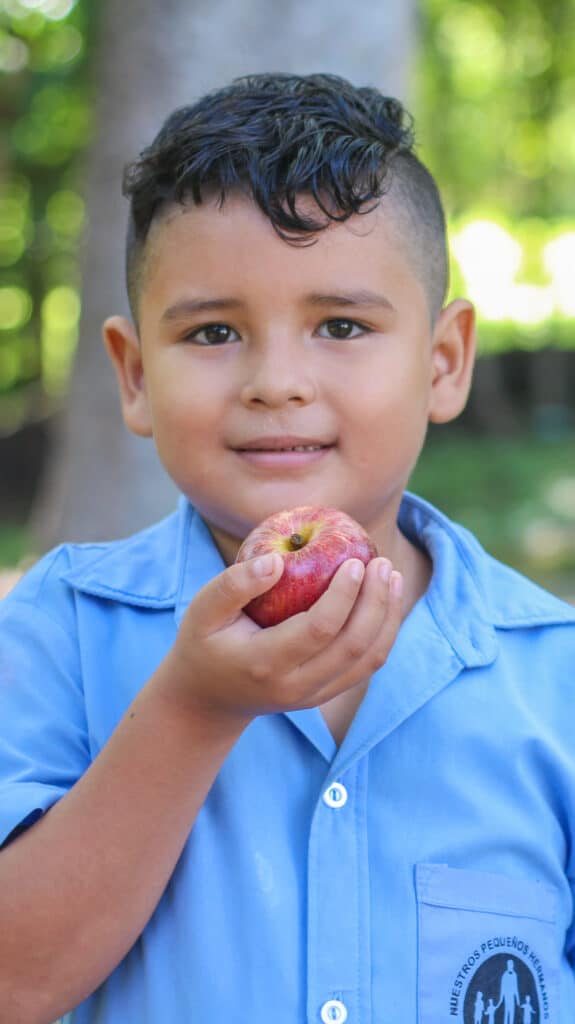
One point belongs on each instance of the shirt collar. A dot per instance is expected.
(143, 570)
(454, 595)
(471, 593)
(160, 567)
(198, 558)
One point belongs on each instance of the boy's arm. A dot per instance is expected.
(79, 886)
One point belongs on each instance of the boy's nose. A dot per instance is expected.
(278, 379)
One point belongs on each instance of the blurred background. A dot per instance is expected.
(84, 87)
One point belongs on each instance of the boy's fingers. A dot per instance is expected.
(222, 599)
(362, 651)
(303, 636)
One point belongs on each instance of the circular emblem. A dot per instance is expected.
(503, 990)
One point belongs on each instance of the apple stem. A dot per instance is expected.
(296, 541)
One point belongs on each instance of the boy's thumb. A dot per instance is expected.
(224, 597)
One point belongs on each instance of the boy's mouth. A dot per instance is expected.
(282, 444)
(282, 453)
(287, 448)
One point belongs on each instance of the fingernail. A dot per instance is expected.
(264, 565)
(396, 584)
(385, 571)
(356, 571)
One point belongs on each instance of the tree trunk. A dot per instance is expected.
(101, 482)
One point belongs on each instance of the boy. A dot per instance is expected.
(365, 812)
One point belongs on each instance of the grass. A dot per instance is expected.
(14, 545)
(517, 495)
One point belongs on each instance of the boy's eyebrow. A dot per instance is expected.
(187, 306)
(362, 297)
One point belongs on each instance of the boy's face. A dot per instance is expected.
(272, 375)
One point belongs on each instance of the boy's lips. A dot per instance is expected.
(287, 451)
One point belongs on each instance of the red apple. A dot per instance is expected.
(313, 541)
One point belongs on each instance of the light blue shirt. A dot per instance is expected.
(419, 871)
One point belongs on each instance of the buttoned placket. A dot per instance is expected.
(338, 902)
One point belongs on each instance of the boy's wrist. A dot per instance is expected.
(173, 686)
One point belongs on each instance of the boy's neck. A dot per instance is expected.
(416, 568)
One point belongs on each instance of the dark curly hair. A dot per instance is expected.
(278, 137)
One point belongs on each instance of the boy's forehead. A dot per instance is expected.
(189, 222)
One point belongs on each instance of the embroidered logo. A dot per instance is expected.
(500, 988)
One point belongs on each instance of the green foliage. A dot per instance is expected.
(46, 100)
(495, 99)
(14, 546)
(495, 88)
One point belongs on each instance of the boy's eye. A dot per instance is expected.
(213, 334)
(341, 329)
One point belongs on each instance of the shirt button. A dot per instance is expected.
(335, 796)
(332, 1011)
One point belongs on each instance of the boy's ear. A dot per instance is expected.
(453, 356)
(123, 347)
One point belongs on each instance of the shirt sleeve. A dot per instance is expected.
(44, 743)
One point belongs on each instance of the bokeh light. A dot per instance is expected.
(54, 10)
(15, 221)
(13, 54)
(65, 213)
(60, 316)
(493, 265)
(15, 307)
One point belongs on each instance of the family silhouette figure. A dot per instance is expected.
(509, 999)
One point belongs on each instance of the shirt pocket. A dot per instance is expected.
(488, 949)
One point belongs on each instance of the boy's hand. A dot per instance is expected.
(223, 663)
